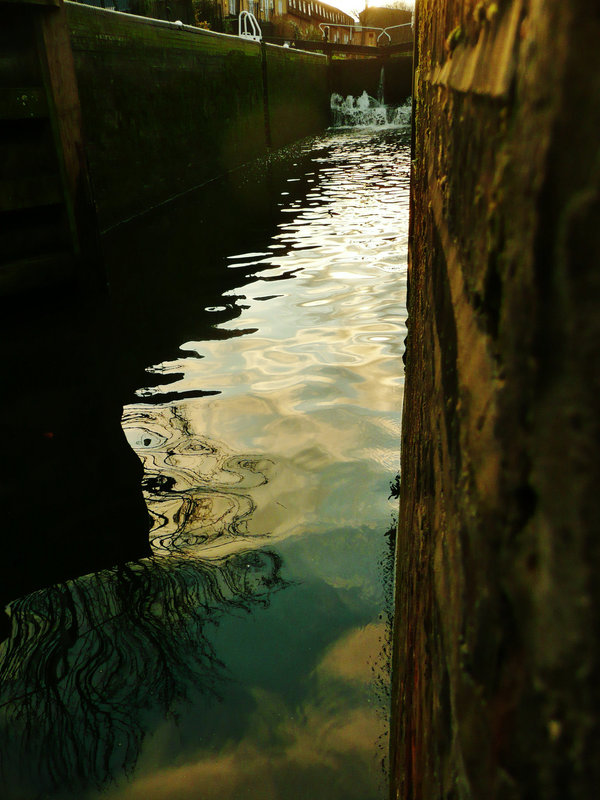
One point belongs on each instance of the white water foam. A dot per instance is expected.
(365, 111)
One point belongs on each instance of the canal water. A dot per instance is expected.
(248, 657)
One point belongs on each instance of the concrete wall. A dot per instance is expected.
(166, 109)
(298, 93)
(353, 76)
(496, 656)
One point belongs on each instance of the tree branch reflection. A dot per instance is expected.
(90, 662)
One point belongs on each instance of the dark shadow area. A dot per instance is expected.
(169, 265)
(70, 483)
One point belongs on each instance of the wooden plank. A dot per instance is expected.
(29, 233)
(30, 192)
(26, 149)
(24, 102)
(51, 3)
(58, 68)
(487, 67)
(34, 273)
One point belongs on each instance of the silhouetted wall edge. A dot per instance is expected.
(496, 679)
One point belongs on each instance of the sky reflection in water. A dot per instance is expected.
(241, 661)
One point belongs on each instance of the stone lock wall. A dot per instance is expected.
(298, 93)
(168, 108)
(496, 656)
(355, 75)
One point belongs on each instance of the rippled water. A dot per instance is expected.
(247, 658)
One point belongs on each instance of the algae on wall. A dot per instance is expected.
(166, 109)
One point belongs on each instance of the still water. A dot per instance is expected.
(247, 658)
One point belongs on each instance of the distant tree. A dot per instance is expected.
(401, 5)
(208, 14)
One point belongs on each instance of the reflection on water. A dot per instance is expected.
(196, 490)
(276, 426)
(91, 663)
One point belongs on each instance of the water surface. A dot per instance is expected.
(247, 657)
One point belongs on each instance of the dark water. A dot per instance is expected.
(247, 657)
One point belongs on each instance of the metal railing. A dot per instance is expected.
(329, 25)
(248, 27)
(383, 31)
(392, 28)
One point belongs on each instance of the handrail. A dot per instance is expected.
(323, 25)
(248, 27)
(358, 26)
(391, 28)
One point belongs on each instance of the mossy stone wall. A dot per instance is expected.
(298, 93)
(496, 655)
(167, 108)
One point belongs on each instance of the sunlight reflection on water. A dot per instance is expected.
(322, 357)
(246, 658)
(312, 394)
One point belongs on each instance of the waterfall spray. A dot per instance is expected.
(366, 111)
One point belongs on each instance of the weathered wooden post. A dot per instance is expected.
(497, 660)
(48, 218)
(61, 405)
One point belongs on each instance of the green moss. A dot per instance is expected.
(455, 37)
